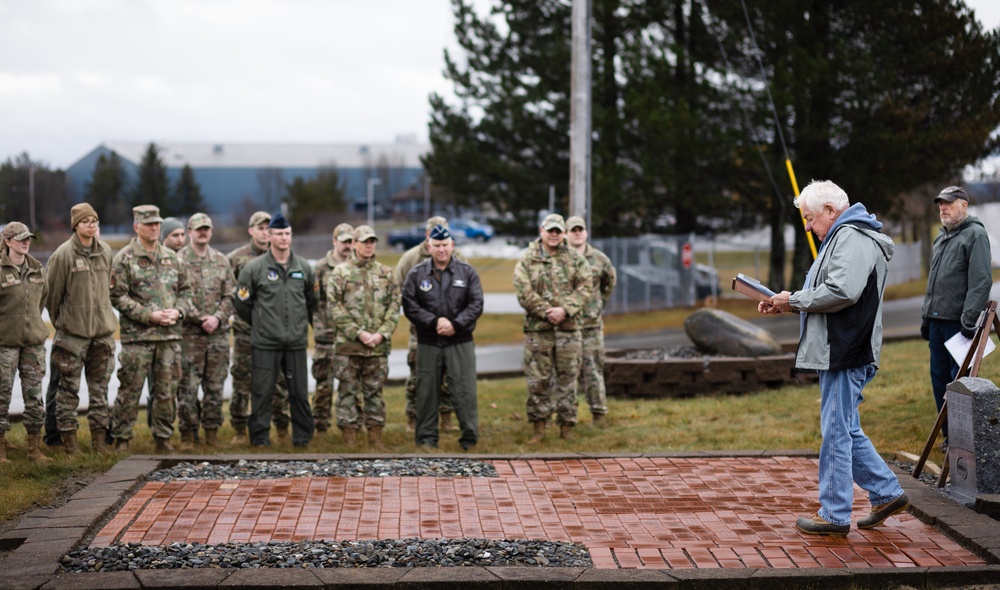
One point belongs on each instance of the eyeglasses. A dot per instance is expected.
(90, 221)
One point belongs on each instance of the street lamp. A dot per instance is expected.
(371, 200)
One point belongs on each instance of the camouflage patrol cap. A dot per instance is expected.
(364, 232)
(576, 221)
(15, 230)
(434, 222)
(199, 220)
(258, 218)
(553, 221)
(343, 232)
(146, 214)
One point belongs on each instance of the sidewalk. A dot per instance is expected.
(720, 519)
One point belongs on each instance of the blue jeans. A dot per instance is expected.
(943, 365)
(847, 456)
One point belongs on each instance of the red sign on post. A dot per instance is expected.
(687, 256)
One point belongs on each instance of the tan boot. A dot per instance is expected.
(187, 441)
(121, 445)
(446, 424)
(3, 450)
(566, 431)
(375, 438)
(350, 437)
(69, 443)
(212, 438)
(539, 435)
(283, 433)
(98, 440)
(411, 423)
(240, 436)
(163, 445)
(34, 452)
(600, 420)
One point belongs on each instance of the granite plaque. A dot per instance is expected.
(974, 438)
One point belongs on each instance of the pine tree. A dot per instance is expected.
(187, 198)
(152, 187)
(314, 202)
(106, 192)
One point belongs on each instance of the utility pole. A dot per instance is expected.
(31, 195)
(580, 113)
(371, 200)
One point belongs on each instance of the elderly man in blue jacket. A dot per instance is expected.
(841, 338)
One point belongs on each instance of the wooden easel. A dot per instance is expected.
(973, 359)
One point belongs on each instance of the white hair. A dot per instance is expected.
(822, 192)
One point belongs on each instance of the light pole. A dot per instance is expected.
(371, 200)
(31, 196)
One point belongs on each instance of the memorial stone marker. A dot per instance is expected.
(974, 438)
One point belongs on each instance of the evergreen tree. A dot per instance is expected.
(107, 191)
(187, 198)
(23, 180)
(152, 187)
(315, 202)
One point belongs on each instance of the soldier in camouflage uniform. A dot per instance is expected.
(324, 331)
(151, 293)
(603, 276)
(79, 279)
(407, 261)
(22, 340)
(239, 405)
(364, 304)
(553, 284)
(206, 338)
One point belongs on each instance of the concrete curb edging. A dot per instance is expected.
(42, 537)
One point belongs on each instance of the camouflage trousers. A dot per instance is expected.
(445, 403)
(71, 356)
(552, 366)
(242, 369)
(161, 362)
(206, 363)
(591, 382)
(322, 404)
(29, 363)
(361, 379)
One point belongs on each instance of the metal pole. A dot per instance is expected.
(552, 198)
(31, 195)
(371, 200)
(580, 113)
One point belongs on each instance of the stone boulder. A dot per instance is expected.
(718, 332)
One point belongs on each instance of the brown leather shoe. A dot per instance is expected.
(883, 511)
(817, 525)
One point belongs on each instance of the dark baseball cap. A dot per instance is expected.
(951, 194)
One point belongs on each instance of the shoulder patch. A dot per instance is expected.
(243, 293)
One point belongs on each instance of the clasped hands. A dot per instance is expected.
(555, 315)
(370, 340)
(164, 317)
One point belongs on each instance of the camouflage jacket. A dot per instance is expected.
(324, 330)
(239, 258)
(212, 288)
(79, 283)
(604, 278)
(363, 296)
(143, 282)
(22, 299)
(413, 257)
(542, 281)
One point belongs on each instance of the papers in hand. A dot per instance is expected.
(752, 288)
(959, 345)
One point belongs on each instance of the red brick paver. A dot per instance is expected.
(630, 513)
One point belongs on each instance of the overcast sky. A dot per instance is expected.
(74, 73)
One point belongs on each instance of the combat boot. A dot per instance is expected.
(446, 424)
(121, 445)
(98, 440)
(283, 432)
(3, 450)
(240, 436)
(411, 423)
(187, 441)
(212, 438)
(375, 438)
(539, 435)
(34, 452)
(163, 445)
(600, 420)
(350, 437)
(69, 443)
(566, 431)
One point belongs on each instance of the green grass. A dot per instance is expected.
(897, 414)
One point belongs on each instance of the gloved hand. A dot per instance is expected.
(966, 331)
(925, 329)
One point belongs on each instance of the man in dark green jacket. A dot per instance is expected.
(277, 293)
(958, 285)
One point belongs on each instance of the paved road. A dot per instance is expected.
(901, 317)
